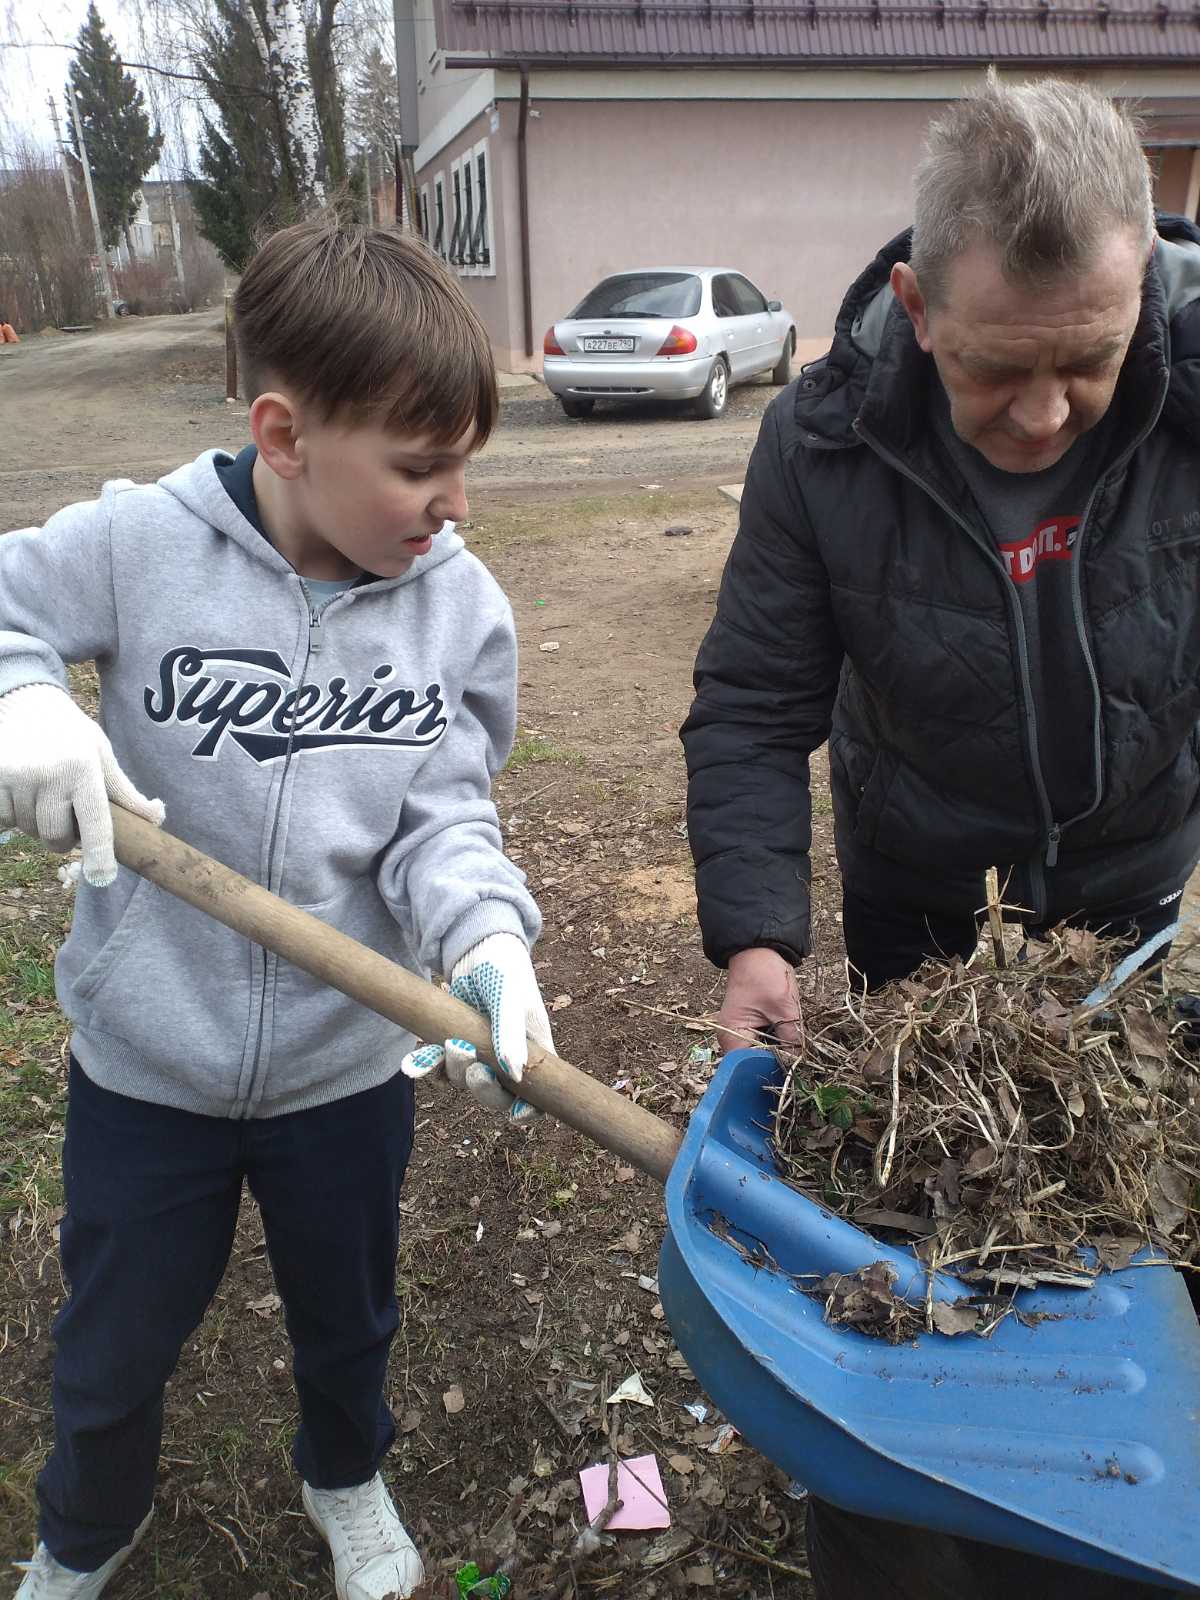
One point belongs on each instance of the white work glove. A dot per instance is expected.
(496, 977)
(58, 770)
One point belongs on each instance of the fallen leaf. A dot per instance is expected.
(1083, 947)
(625, 1174)
(954, 1319)
(1169, 1193)
(681, 1464)
(1148, 1036)
(266, 1307)
(700, 1577)
(453, 1400)
(560, 1002)
(1115, 1253)
(1054, 1017)
(410, 1421)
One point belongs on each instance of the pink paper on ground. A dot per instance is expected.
(642, 1507)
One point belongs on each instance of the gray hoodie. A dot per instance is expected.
(346, 766)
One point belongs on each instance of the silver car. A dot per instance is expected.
(667, 333)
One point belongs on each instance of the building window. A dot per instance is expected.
(468, 232)
(456, 201)
(439, 207)
(481, 247)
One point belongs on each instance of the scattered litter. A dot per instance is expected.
(701, 1055)
(549, 646)
(478, 1232)
(649, 1284)
(698, 1410)
(454, 1400)
(11, 833)
(700, 1577)
(632, 1389)
(639, 1488)
(471, 1584)
(796, 1490)
(68, 875)
(725, 1441)
(652, 486)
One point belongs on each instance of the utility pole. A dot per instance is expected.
(91, 194)
(66, 171)
(176, 247)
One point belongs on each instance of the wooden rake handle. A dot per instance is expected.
(551, 1084)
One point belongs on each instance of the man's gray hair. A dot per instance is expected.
(1044, 170)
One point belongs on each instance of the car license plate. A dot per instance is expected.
(608, 347)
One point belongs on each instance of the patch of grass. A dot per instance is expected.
(535, 750)
(588, 515)
(24, 863)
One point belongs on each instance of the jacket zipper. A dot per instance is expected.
(1053, 830)
(312, 647)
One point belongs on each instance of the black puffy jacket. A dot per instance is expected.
(864, 602)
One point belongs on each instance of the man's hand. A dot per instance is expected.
(760, 997)
(496, 977)
(58, 772)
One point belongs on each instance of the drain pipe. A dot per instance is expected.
(523, 191)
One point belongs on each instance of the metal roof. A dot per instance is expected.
(781, 33)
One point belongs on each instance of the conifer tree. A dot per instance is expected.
(121, 145)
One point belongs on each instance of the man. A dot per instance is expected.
(968, 557)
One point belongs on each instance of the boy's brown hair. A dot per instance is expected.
(365, 324)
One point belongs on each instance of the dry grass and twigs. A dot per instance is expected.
(989, 1118)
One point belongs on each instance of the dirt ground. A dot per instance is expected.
(527, 1272)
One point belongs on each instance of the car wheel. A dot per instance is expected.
(712, 402)
(577, 408)
(782, 372)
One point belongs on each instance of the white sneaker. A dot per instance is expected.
(47, 1579)
(373, 1556)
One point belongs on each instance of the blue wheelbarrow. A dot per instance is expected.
(1076, 1439)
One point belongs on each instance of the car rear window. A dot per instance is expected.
(643, 294)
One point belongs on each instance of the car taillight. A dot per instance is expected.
(551, 346)
(679, 342)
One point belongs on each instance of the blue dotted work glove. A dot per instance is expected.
(496, 977)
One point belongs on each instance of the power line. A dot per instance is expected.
(141, 66)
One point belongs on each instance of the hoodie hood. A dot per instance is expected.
(197, 487)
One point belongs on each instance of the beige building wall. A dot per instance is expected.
(797, 184)
(495, 295)
(1178, 180)
(797, 195)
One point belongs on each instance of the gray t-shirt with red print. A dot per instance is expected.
(1034, 519)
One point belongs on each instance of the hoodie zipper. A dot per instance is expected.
(312, 647)
(1047, 858)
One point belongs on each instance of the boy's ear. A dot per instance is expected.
(275, 429)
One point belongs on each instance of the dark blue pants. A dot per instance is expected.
(152, 1199)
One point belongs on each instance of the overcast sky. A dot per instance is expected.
(30, 69)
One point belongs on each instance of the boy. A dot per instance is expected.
(298, 655)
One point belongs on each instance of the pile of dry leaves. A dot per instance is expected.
(988, 1116)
